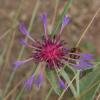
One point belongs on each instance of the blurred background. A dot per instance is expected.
(14, 11)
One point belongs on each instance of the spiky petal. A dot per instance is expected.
(65, 21)
(61, 83)
(82, 64)
(19, 62)
(39, 80)
(86, 56)
(43, 18)
(28, 83)
(23, 42)
(23, 29)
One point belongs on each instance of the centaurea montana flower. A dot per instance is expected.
(50, 49)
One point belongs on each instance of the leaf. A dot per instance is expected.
(52, 77)
(66, 77)
(89, 85)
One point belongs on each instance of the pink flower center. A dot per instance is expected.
(51, 51)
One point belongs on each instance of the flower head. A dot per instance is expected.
(49, 49)
(52, 51)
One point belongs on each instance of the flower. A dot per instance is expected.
(49, 49)
(79, 60)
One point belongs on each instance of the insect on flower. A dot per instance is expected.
(78, 59)
(49, 49)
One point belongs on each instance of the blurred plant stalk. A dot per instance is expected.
(22, 49)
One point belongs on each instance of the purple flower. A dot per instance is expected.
(50, 49)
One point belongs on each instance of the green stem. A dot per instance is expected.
(67, 78)
(14, 21)
(66, 7)
(20, 94)
(74, 71)
(49, 93)
(77, 82)
(69, 83)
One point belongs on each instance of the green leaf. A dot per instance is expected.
(52, 77)
(89, 85)
(67, 78)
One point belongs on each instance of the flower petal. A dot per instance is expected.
(28, 83)
(86, 56)
(61, 83)
(19, 62)
(82, 64)
(43, 18)
(65, 21)
(23, 42)
(39, 80)
(23, 29)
